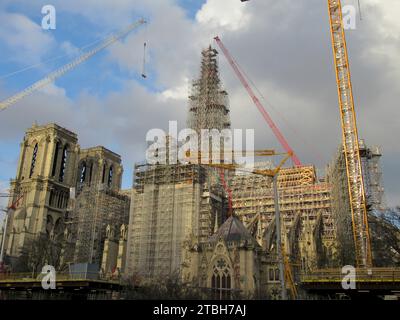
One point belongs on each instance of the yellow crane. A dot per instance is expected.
(355, 181)
(361, 235)
(289, 279)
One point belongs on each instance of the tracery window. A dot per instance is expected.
(91, 173)
(110, 176)
(53, 171)
(221, 280)
(104, 173)
(34, 157)
(273, 274)
(83, 173)
(63, 164)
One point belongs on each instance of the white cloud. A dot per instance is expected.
(69, 48)
(227, 14)
(177, 93)
(26, 39)
(385, 16)
(52, 90)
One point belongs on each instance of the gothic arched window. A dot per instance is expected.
(83, 173)
(91, 173)
(51, 198)
(63, 164)
(110, 176)
(34, 157)
(221, 280)
(53, 171)
(103, 177)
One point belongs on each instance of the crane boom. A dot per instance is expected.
(350, 137)
(69, 66)
(258, 104)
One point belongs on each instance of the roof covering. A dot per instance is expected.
(232, 230)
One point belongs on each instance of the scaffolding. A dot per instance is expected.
(372, 172)
(94, 209)
(170, 205)
(337, 176)
(208, 102)
(302, 199)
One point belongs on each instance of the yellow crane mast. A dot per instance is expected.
(361, 234)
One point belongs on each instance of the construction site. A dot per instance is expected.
(269, 232)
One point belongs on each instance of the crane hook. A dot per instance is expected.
(144, 61)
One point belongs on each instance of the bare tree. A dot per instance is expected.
(170, 288)
(385, 236)
(40, 251)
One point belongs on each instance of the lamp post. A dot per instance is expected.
(278, 236)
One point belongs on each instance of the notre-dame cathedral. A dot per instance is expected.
(64, 194)
(67, 209)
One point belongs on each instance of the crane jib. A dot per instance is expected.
(69, 66)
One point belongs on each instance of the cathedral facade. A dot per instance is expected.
(64, 197)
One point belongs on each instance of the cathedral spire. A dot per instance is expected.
(208, 102)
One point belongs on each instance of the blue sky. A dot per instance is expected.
(191, 6)
(285, 49)
(78, 31)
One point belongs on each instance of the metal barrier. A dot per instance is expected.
(78, 276)
(361, 275)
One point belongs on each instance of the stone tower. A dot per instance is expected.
(99, 167)
(45, 174)
(98, 203)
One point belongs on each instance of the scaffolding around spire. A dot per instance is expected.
(208, 101)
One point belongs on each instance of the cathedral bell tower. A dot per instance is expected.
(45, 174)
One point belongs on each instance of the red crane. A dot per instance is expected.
(260, 107)
(12, 207)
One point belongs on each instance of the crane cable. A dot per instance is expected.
(144, 62)
(144, 75)
(297, 134)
